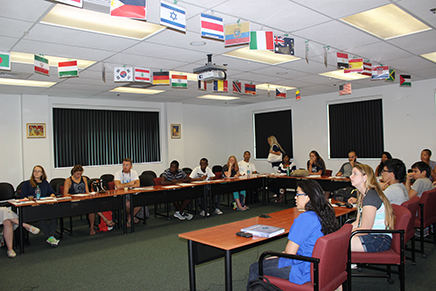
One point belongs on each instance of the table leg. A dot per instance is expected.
(132, 216)
(264, 191)
(124, 223)
(191, 266)
(228, 270)
(20, 227)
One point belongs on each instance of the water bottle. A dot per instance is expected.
(287, 172)
(37, 193)
(248, 173)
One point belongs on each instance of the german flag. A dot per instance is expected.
(161, 78)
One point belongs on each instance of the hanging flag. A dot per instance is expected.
(297, 95)
(342, 60)
(41, 65)
(212, 26)
(77, 3)
(179, 81)
(161, 78)
(391, 76)
(283, 45)
(345, 89)
(405, 80)
(367, 69)
(220, 86)
(306, 51)
(129, 8)
(280, 92)
(5, 61)
(261, 40)
(326, 48)
(380, 73)
(202, 85)
(68, 69)
(173, 16)
(355, 66)
(236, 87)
(250, 89)
(237, 34)
(123, 74)
(142, 75)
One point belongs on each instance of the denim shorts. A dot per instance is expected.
(373, 243)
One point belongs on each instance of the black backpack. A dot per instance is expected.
(261, 284)
(344, 194)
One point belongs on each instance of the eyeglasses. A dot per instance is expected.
(37, 171)
(300, 194)
(385, 171)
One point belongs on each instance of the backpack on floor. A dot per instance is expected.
(262, 284)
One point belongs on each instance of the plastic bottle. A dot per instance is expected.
(37, 193)
(248, 173)
(287, 172)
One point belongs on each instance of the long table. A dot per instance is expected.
(220, 241)
(327, 183)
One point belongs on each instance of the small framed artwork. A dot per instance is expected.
(176, 131)
(35, 130)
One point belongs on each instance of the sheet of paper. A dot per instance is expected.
(186, 184)
(170, 187)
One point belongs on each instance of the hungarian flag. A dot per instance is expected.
(236, 87)
(250, 89)
(236, 34)
(202, 85)
(68, 69)
(220, 86)
(129, 8)
(345, 89)
(391, 76)
(5, 61)
(342, 60)
(179, 81)
(297, 95)
(161, 78)
(77, 3)
(142, 75)
(380, 73)
(283, 45)
(123, 74)
(405, 81)
(367, 69)
(212, 26)
(280, 92)
(261, 40)
(41, 65)
(355, 66)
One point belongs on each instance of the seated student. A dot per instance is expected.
(385, 156)
(347, 167)
(317, 220)
(394, 175)
(174, 175)
(9, 219)
(245, 166)
(315, 165)
(425, 157)
(231, 169)
(204, 173)
(77, 184)
(38, 180)
(128, 178)
(284, 167)
(421, 174)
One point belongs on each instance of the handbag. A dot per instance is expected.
(300, 173)
(272, 158)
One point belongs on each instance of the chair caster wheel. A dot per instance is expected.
(391, 281)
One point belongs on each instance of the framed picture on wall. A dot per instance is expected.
(176, 131)
(35, 130)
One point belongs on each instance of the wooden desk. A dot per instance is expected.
(327, 183)
(221, 241)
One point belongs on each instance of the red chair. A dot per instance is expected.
(218, 175)
(111, 185)
(329, 263)
(412, 205)
(327, 173)
(393, 256)
(427, 217)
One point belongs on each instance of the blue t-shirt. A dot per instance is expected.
(28, 190)
(305, 231)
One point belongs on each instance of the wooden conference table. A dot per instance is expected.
(220, 241)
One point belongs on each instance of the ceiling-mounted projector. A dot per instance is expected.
(210, 71)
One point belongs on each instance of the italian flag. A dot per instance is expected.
(41, 65)
(261, 40)
(68, 69)
(179, 81)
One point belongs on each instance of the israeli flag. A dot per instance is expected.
(173, 16)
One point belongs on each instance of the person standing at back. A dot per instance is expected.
(275, 150)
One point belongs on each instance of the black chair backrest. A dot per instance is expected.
(217, 168)
(56, 183)
(187, 170)
(161, 175)
(150, 173)
(106, 179)
(146, 180)
(18, 189)
(6, 191)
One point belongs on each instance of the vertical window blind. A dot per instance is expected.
(104, 137)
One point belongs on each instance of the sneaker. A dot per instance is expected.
(218, 212)
(188, 216)
(203, 213)
(179, 216)
(354, 266)
(234, 205)
(11, 254)
(52, 241)
(33, 230)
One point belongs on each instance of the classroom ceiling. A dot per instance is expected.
(313, 20)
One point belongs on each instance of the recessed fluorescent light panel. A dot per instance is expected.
(430, 56)
(261, 56)
(218, 97)
(25, 58)
(339, 74)
(67, 16)
(136, 90)
(27, 83)
(266, 86)
(386, 22)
